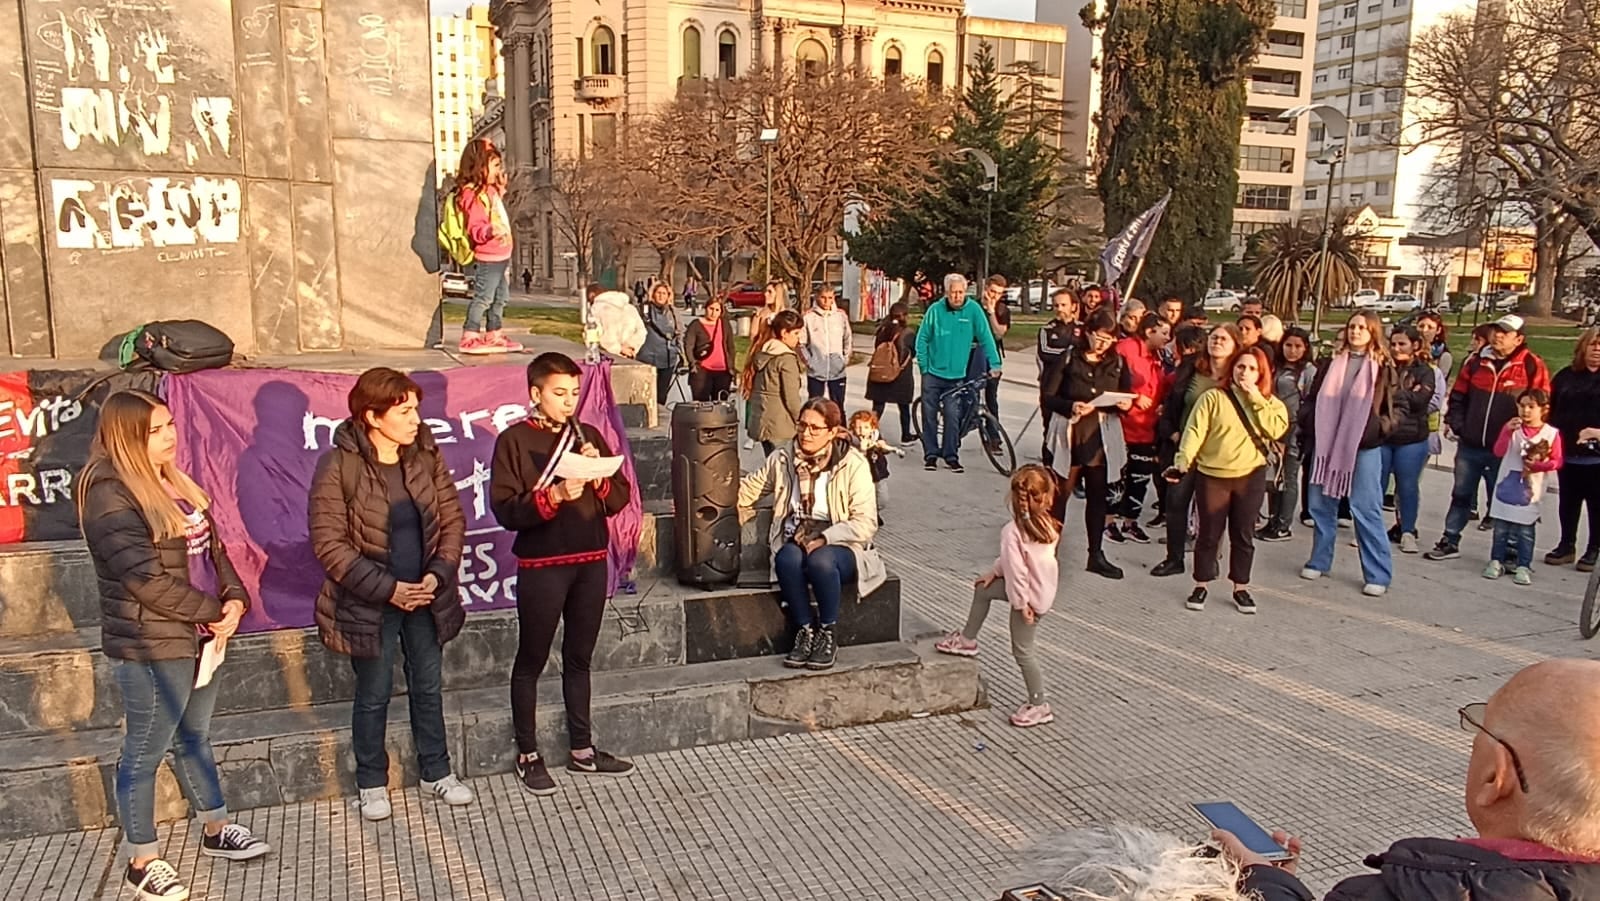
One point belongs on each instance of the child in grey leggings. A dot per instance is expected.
(1026, 576)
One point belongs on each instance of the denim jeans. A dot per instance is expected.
(939, 395)
(1473, 465)
(163, 710)
(1366, 508)
(1405, 463)
(833, 388)
(1281, 504)
(825, 570)
(1513, 543)
(415, 635)
(491, 288)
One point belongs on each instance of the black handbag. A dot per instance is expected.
(1272, 451)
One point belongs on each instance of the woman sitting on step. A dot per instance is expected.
(825, 514)
(387, 526)
(167, 595)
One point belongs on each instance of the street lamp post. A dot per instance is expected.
(1337, 128)
(769, 137)
(991, 174)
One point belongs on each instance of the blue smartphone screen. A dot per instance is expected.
(1226, 815)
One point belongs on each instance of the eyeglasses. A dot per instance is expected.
(811, 428)
(1472, 717)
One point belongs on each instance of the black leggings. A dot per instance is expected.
(1230, 504)
(545, 596)
(1177, 509)
(707, 385)
(1095, 502)
(879, 406)
(1580, 488)
(664, 384)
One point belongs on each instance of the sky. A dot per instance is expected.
(997, 9)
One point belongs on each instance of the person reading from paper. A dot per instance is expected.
(166, 588)
(561, 542)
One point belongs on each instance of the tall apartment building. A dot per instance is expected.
(459, 77)
(576, 72)
(1080, 87)
(1272, 159)
(1361, 69)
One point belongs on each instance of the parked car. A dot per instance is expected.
(454, 284)
(1397, 303)
(747, 294)
(1222, 299)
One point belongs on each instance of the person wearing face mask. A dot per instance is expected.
(387, 526)
(1225, 440)
(1350, 411)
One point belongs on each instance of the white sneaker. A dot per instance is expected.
(375, 804)
(449, 790)
(1310, 574)
(1374, 591)
(1408, 544)
(749, 443)
(158, 881)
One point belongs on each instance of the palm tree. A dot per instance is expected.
(1287, 260)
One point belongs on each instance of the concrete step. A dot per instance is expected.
(58, 783)
(60, 682)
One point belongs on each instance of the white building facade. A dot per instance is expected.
(1272, 158)
(459, 80)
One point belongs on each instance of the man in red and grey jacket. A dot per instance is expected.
(1483, 400)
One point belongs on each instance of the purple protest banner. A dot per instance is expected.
(252, 438)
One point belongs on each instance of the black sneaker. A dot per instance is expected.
(1114, 534)
(1587, 561)
(1561, 556)
(800, 655)
(1244, 601)
(600, 764)
(1274, 533)
(955, 466)
(156, 881)
(1472, 515)
(1196, 600)
(234, 842)
(1486, 524)
(1135, 534)
(1388, 502)
(1444, 550)
(1167, 568)
(1158, 522)
(1394, 534)
(534, 776)
(823, 650)
(1100, 566)
(930, 465)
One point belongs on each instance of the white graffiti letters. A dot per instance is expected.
(140, 212)
(48, 415)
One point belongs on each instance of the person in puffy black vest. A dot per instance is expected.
(1532, 793)
(386, 524)
(1575, 411)
(167, 590)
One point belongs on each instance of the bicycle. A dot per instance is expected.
(1588, 621)
(1002, 455)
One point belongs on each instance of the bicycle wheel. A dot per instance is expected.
(916, 419)
(1002, 456)
(1589, 618)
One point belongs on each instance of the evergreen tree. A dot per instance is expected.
(1172, 102)
(939, 227)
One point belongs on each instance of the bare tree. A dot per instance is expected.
(1437, 262)
(583, 194)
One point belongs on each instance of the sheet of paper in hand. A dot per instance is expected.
(1112, 398)
(577, 466)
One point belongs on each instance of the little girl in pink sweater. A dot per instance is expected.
(1026, 575)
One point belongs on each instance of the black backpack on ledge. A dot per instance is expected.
(176, 345)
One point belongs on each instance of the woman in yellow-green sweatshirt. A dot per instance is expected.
(1226, 439)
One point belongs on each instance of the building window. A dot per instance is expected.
(691, 52)
(1381, 188)
(1263, 197)
(1321, 78)
(812, 57)
(728, 54)
(1365, 99)
(604, 129)
(1344, 73)
(1363, 129)
(1292, 9)
(603, 44)
(1266, 159)
(579, 58)
(1349, 12)
(1319, 133)
(935, 70)
(891, 62)
(1347, 41)
(1375, 8)
(1311, 193)
(1391, 95)
(1357, 197)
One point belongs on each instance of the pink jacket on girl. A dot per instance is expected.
(1029, 568)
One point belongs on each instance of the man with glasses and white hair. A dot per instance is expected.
(944, 347)
(1532, 793)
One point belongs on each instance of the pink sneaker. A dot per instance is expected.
(957, 644)
(498, 339)
(1032, 715)
(476, 343)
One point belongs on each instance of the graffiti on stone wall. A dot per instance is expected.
(145, 212)
(122, 85)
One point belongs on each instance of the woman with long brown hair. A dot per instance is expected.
(889, 378)
(777, 300)
(481, 187)
(169, 602)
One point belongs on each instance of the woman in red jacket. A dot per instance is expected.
(1143, 375)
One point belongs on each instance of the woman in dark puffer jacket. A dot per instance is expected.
(1405, 450)
(166, 589)
(386, 523)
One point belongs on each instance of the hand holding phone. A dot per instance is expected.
(1226, 817)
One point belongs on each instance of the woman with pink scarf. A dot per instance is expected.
(1350, 412)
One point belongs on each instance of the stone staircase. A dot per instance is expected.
(675, 667)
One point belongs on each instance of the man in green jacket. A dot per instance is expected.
(949, 330)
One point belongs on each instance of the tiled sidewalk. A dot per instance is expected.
(1329, 712)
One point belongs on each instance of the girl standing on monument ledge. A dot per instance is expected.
(482, 180)
(168, 595)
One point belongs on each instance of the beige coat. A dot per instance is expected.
(776, 393)
(852, 505)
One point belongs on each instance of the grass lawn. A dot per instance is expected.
(562, 322)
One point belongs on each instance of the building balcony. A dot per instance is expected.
(1270, 126)
(1273, 88)
(599, 87)
(1291, 51)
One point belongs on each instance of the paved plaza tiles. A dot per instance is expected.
(1329, 712)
